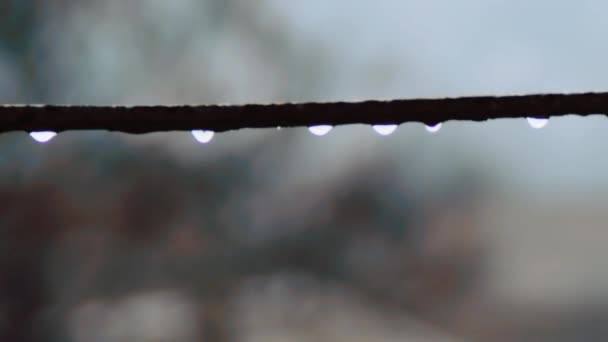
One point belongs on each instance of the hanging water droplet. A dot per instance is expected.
(384, 129)
(202, 137)
(433, 128)
(279, 128)
(537, 123)
(43, 136)
(320, 130)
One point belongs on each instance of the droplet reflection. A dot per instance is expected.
(384, 129)
(433, 129)
(201, 136)
(537, 123)
(43, 136)
(320, 130)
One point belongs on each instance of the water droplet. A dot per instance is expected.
(384, 129)
(320, 130)
(279, 128)
(433, 128)
(201, 136)
(537, 123)
(42, 136)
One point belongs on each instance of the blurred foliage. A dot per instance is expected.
(110, 229)
(99, 218)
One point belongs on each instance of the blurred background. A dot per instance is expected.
(480, 231)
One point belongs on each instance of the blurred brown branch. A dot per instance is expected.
(146, 119)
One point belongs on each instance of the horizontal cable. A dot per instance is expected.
(219, 118)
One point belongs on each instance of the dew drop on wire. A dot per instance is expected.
(42, 136)
(201, 136)
(434, 128)
(384, 129)
(320, 130)
(537, 123)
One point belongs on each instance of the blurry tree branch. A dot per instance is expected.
(146, 119)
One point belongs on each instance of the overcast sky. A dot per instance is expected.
(446, 48)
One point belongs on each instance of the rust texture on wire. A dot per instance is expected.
(219, 118)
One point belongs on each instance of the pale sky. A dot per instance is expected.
(447, 48)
